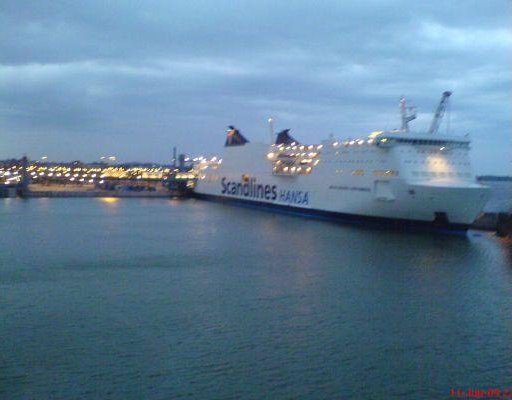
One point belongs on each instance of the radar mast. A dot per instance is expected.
(404, 110)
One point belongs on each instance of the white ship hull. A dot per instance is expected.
(397, 179)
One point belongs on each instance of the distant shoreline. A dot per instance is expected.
(494, 178)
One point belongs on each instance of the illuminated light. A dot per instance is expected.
(335, 144)
(82, 179)
(442, 148)
(351, 142)
(67, 175)
(370, 141)
(102, 181)
(270, 156)
(374, 134)
(292, 169)
(285, 169)
(71, 179)
(308, 169)
(384, 140)
(360, 142)
(319, 147)
(91, 180)
(41, 173)
(316, 162)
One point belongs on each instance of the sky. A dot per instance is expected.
(81, 80)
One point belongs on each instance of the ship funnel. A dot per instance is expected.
(234, 137)
(284, 137)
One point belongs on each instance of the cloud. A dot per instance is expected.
(140, 77)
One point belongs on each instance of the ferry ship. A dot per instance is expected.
(398, 178)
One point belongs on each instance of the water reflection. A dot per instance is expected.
(109, 200)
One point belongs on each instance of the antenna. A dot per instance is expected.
(271, 129)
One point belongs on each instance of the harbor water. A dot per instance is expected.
(166, 299)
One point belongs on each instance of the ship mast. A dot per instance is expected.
(406, 118)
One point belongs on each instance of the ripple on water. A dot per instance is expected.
(197, 300)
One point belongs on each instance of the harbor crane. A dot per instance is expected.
(438, 116)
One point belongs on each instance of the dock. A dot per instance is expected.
(499, 222)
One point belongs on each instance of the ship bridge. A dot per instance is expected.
(442, 141)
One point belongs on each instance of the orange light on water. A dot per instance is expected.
(109, 200)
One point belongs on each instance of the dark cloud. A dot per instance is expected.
(80, 79)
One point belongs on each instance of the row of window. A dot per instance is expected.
(447, 162)
(432, 142)
(361, 172)
(287, 170)
(442, 174)
(361, 161)
(353, 161)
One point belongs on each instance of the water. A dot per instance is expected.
(133, 299)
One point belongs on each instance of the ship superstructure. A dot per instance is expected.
(399, 178)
